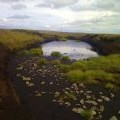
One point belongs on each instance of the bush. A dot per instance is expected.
(56, 62)
(75, 76)
(64, 68)
(109, 86)
(42, 62)
(56, 54)
(87, 114)
(65, 58)
(32, 52)
(89, 76)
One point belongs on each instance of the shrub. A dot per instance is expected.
(31, 52)
(56, 62)
(64, 68)
(109, 86)
(56, 54)
(75, 76)
(65, 58)
(87, 114)
(42, 61)
(89, 76)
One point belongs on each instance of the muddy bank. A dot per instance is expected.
(10, 106)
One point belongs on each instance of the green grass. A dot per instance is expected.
(31, 52)
(14, 39)
(56, 54)
(109, 86)
(65, 58)
(103, 69)
(42, 62)
(86, 114)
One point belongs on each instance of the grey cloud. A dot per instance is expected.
(18, 6)
(46, 5)
(112, 5)
(57, 3)
(6, 1)
(17, 16)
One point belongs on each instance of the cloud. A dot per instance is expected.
(45, 5)
(18, 6)
(19, 17)
(112, 5)
(56, 3)
(6, 1)
(3, 20)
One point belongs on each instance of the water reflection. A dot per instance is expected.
(73, 49)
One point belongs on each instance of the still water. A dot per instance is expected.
(74, 49)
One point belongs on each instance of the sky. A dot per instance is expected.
(84, 16)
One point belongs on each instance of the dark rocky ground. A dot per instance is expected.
(49, 96)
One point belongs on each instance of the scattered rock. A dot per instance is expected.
(19, 68)
(99, 100)
(119, 112)
(57, 94)
(77, 110)
(93, 112)
(88, 97)
(102, 108)
(68, 104)
(112, 95)
(106, 98)
(42, 83)
(29, 84)
(26, 78)
(54, 100)
(113, 118)
(82, 101)
(51, 83)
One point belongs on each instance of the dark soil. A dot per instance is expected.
(49, 96)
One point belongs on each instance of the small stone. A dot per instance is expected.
(35, 65)
(81, 85)
(38, 94)
(88, 92)
(82, 101)
(81, 91)
(57, 94)
(101, 93)
(18, 75)
(112, 95)
(113, 118)
(84, 107)
(102, 108)
(77, 110)
(106, 98)
(93, 112)
(88, 97)
(19, 68)
(51, 83)
(67, 88)
(42, 83)
(29, 84)
(26, 78)
(54, 100)
(99, 100)
(68, 103)
(94, 103)
(119, 112)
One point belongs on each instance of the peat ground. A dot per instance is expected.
(49, 96)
